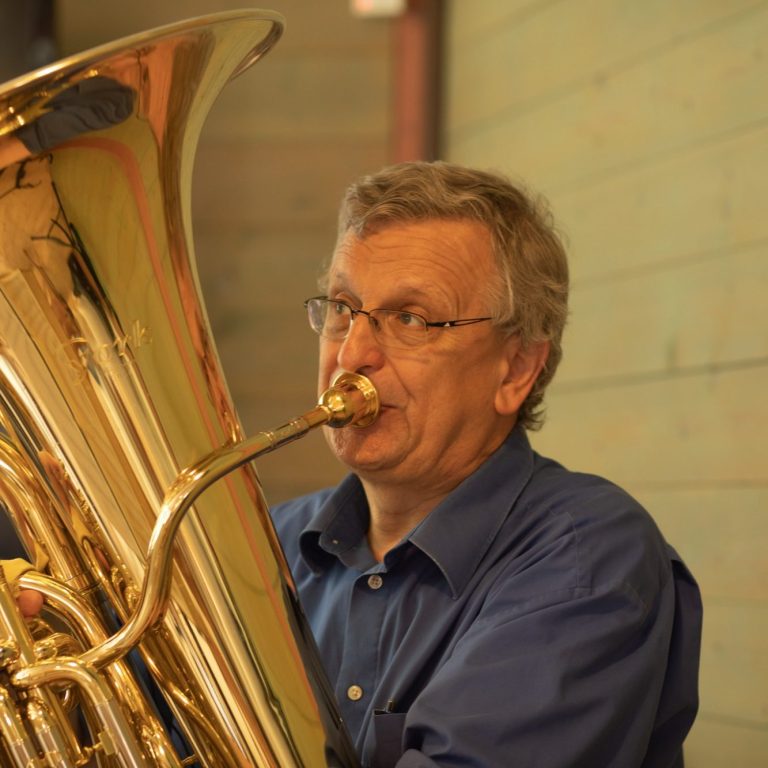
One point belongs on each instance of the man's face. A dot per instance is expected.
(439, 417)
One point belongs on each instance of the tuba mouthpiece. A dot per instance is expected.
(352, 401)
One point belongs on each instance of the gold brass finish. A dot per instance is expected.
(115, 420)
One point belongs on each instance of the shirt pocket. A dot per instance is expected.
(388, 732)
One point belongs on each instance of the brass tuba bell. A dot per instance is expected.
(115, 417)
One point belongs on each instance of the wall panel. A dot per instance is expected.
(717, 743)
(699, 201)
(666, 430)
(516, 61)
(690, 314)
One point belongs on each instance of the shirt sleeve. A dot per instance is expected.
(568, 680)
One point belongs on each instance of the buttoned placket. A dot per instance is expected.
(358, 676)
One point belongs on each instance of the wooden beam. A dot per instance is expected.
(416, 97)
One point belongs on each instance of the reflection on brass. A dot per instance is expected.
(122, 462)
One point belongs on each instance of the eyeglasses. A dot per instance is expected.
(332, 319)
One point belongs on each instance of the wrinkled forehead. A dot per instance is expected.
(426, 247)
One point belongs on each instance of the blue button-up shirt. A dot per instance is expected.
(535, 618)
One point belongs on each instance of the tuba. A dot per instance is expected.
(172, 634)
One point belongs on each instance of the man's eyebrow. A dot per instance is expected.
(338, 282)
(406, 295)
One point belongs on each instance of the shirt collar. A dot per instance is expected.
(455, 535)
(338, 527)
(459, 531)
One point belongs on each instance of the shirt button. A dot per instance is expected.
(375, 581)
(354, 693)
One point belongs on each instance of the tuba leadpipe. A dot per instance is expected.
(123, 466)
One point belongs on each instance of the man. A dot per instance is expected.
(476, 604)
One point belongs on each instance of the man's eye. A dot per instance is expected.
(338, 308)
(408, 320)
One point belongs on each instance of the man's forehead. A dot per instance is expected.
(427, 263)
(428, 239)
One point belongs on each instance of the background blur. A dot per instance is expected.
(644, 124)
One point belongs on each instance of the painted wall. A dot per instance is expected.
(279, 146)
(646, 126)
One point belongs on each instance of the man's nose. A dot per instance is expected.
(361, 349)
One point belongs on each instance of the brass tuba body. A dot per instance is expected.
(115, 421)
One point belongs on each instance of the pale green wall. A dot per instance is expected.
(646, 126)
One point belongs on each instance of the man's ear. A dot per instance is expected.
(521, 368)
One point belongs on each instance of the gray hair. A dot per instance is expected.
(530, 298)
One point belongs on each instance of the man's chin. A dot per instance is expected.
(364, 454)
